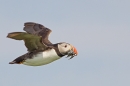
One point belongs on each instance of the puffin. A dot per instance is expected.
(40, 51)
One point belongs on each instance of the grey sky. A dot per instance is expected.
(99, 29)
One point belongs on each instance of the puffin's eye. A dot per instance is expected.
(65, 46)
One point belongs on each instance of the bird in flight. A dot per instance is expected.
(40, 50)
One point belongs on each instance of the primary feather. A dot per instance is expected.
(32, 42)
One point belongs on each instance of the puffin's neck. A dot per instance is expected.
(55, 46)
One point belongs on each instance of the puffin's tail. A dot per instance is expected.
(20, 59)
(17, 61)
(13, 62)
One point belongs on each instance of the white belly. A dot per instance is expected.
(42, 58)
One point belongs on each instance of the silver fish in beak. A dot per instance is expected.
(73, 52)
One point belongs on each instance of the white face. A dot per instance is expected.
(64, 48)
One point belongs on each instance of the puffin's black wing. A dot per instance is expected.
(38, 29)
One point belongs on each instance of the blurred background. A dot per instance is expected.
(99, 29)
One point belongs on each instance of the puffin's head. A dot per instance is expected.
(67, 49)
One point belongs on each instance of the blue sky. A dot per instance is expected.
(99, 29)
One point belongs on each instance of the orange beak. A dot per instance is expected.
(75, 50)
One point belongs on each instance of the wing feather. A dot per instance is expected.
(38, 29)
(32, 42)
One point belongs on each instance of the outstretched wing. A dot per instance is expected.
(32, 42)
(39, 30)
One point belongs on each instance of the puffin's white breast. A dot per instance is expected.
(42, 58)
